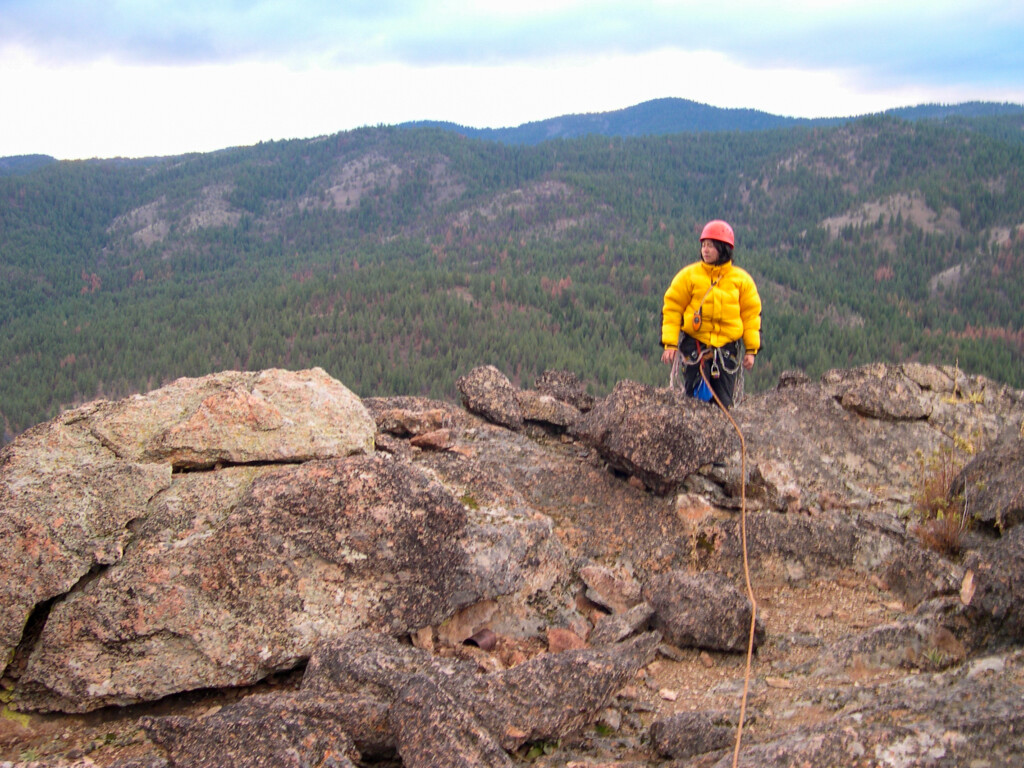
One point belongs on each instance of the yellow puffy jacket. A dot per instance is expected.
(728, 301)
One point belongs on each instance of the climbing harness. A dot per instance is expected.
(699, 358)
(722, 359)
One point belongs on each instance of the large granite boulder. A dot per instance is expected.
(65, 505)
(487, 392)
(70, 488)
(702, 610)
(656, 435)
(243, 571)
(238, 417)
(240, 573)
(991, 485)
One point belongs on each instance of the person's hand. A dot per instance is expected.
(668, 356)
(748, 361)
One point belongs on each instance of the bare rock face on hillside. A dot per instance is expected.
(416, 583)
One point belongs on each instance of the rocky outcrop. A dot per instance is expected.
(505, 573)
(968, 716)
(264, 564)
(263, 731)
(249, 584)
(392, 692)
(70, 488)
(235, 573)
(879, 392)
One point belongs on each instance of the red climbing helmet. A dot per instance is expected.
(718, 230)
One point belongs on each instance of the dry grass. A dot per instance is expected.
(943, 517)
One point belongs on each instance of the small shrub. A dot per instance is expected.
(945, 533)
(539, 749)
(935, 659)
(604, 731)
(958, 395)
(942, 516)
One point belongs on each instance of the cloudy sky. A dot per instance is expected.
(106, 78)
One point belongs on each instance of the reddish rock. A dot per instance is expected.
(563, 640)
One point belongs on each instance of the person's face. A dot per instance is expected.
(708, 251)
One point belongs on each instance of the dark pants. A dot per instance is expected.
(724, 383)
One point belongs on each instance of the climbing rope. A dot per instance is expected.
(743, 537)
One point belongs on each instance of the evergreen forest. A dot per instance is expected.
(399, 258)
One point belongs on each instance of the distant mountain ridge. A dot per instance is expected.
(18, 164)
(659, 117)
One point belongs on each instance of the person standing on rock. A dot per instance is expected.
(709, 308)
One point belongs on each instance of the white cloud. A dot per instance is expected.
(139, 111)
(124, 77)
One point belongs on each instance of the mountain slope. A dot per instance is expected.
(396, 259)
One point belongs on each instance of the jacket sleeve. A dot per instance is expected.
(750, 313)
(677, 298)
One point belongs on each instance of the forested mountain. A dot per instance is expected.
(651, 118)
(660, 117)
(399, 258)
(23, 163)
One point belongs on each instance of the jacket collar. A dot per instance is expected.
(716, 271)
